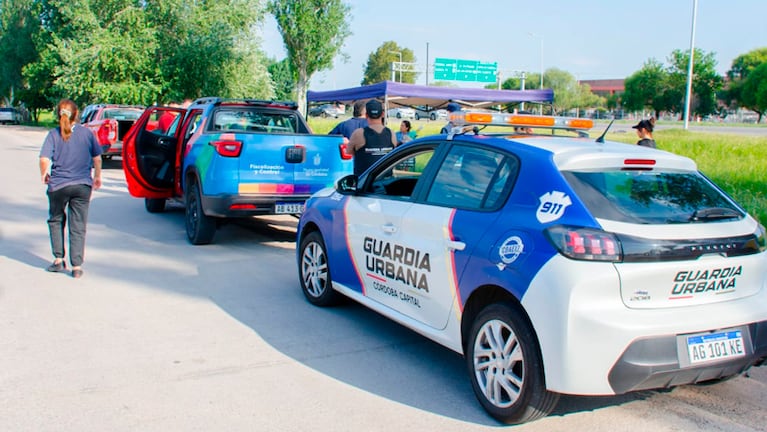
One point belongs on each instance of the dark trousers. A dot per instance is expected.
(73, 199)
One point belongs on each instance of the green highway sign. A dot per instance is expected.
(464, 70)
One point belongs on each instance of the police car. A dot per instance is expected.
(555, 263)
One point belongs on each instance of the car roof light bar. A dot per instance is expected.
(506, 119)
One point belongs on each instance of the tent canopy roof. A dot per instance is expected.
(401, 94)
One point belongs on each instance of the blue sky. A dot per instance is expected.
(591, 39)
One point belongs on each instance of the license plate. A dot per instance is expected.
(715, 346)
(289, 208)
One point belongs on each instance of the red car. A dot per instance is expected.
(111, 123)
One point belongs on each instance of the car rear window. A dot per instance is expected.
(255, 120)
(652, 197)
(122, 114)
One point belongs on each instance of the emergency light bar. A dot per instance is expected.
(505, 119)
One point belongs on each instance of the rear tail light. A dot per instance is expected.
(344, 153)
(227, 148)
(107, 134)
(760, 234)
(585, 244)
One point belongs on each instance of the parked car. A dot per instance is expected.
(224, 158)
(401, 113)
(423, 112)
(10, 115)
(111, 123)
(327, 110)
(554, 264)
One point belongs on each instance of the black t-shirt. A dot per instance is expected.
(646, 142)
(376, 146)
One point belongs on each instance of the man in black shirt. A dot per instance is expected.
(372, 142)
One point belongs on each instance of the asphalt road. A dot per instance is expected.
(160, 335)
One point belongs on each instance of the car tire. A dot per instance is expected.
(505, 366)
(417, 116)
(199, 227)
(154, 205)
(314, 271)
(399, 115)
(433, 116)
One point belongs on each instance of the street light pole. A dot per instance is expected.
(688, 94)
(399, 53)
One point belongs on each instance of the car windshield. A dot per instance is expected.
(651, 197)
(255, 120)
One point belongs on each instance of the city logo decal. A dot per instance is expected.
(510, 250)
(552, 207)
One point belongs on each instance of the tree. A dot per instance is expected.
(282, 80)
(706, 82)
(313, 32)
(18, 25)
(568, 92)
(755, 90)
(645, 88)
(209, 48)
(110, 55)
(379, 65)
(738, 74)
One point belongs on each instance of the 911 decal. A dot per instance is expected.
(552, 207)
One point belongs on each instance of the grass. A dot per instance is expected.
(737, 163)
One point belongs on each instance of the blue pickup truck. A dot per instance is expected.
(225, 158)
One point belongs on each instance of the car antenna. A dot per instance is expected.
(601, 138)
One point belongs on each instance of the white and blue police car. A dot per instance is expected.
(556, 264)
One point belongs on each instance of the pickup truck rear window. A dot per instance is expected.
(251, 119)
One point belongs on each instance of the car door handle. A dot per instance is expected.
(456, 245)
(389, 228)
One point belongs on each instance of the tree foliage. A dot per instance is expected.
(313, 32)
(739, 74)
(663, 88)
(379, 64)
(134, 51)
(754, 94)
(706, 82)
(568, 92)
(645, 88)
(18, 24)
(282, 79)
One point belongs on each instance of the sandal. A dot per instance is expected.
(77, 273)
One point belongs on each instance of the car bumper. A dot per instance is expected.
(592, 344)
(115, 149)
(228, 206)
(654, 363)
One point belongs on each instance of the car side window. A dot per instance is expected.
(191, 126)
(473, 178)
(399, 179)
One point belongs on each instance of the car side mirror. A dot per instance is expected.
(347, 185)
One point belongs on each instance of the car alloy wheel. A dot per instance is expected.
(314, 271)
(506, 368)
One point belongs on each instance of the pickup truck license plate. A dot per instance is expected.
(715, 346)
(289, 208)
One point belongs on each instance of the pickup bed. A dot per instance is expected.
(229, 159)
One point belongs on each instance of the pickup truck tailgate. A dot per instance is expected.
(290, 165)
